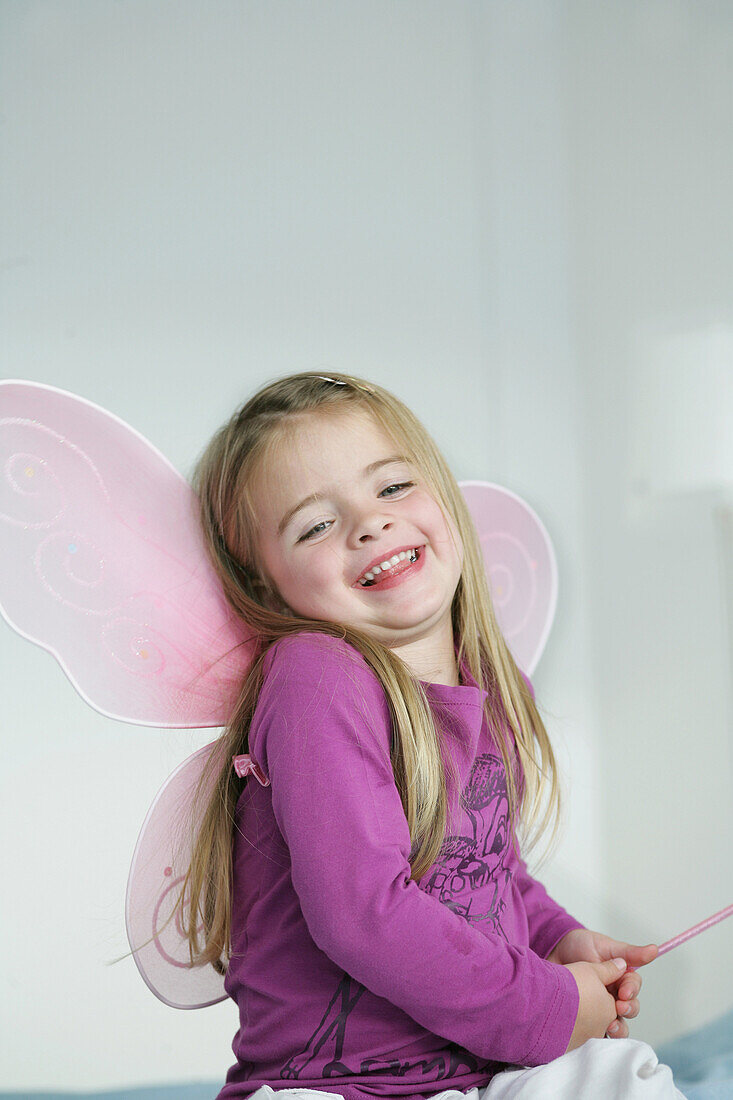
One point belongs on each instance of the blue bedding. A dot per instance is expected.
(702, 1061)
(702, 1064)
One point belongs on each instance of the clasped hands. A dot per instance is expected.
(582, 945)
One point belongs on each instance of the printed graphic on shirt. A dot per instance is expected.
(470, 875)
(323, 1055)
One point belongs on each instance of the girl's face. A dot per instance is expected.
(338, 498)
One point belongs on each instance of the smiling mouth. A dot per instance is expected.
(378, 574)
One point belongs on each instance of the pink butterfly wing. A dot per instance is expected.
(520, 565)
(159, 865)
(102, 563)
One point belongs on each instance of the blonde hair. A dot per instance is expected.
(223, 479)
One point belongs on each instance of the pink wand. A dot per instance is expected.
(695, 930)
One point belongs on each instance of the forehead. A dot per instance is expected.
(311, 443)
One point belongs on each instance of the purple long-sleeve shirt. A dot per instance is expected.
(349, 976)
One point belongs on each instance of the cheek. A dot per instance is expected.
(308, 578)
(447, 535)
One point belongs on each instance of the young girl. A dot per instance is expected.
(364, 890)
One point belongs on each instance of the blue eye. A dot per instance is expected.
(313, 530)
(398, 485)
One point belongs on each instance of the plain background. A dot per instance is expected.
(486, 207)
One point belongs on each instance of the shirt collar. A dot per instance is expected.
(466, 693)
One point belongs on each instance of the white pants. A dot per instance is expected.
(600, 1069)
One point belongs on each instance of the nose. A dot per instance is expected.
(374, 530)
(370, 524)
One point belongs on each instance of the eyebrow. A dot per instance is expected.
(370, 469)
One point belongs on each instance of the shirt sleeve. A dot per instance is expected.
(548, 922)
(321, 732)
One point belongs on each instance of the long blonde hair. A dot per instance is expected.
(223, 480)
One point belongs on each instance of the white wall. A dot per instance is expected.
(475, 204)
(648, 90)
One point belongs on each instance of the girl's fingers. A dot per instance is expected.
(618, 1030)
(635, 955)
(629, 986)
(627, 989)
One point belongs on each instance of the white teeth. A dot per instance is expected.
(387, 564)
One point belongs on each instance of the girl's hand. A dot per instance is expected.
(596, 1005)
(582, 945)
